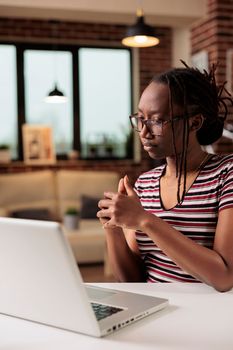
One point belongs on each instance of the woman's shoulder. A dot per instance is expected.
(217, 167)
(220, 161)
(151, 175)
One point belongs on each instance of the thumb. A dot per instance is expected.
(128, 187)
(121, 186)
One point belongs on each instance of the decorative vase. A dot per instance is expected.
(71, 222)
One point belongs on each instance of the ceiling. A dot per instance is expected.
(174, 13)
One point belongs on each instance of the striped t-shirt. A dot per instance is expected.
(196, 217)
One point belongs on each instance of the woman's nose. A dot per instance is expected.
(145, 132)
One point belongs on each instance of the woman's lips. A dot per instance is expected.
(148, 147)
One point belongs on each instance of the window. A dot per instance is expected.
(42, 69)
(97, 83)
(8, 98)
(105, 101)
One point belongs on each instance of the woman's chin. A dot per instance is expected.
(154, 155)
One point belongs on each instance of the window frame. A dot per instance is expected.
(16, 91)
(74, 49)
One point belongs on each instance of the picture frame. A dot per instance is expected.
(229, 70)
(200, 60)
(38, 145)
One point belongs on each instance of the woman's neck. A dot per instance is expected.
(195, 160)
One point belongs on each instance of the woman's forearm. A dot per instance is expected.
(126, 265)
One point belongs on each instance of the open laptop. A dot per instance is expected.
(40, 282)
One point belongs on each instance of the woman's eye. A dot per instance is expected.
(156, 121)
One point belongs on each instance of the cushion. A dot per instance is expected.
(33, 214)
(89, 207)
(73, 184)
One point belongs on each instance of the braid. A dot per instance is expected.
(182, 162)
(197, 93)
(172, 123)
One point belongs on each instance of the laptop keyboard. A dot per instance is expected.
(103, 311)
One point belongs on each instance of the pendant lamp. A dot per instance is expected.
(140, 34)
(55, 95)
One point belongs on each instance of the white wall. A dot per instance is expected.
(181, 46)
(176, 13)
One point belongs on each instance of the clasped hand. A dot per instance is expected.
(121, 209)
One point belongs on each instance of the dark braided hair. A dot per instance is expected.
(197, 93)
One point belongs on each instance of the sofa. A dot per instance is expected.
(46, 195)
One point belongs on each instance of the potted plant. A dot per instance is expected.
(5, 155)
(71, 218)
(108, 145)
(92, 150)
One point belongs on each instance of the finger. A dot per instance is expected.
(103, 220)
(128, 187)
(109, 195)
(109, 224)
(121, 186)
(104, 203)
(104, 213)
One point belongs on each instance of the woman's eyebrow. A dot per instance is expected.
(150, 112)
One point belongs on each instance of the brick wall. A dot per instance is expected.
(151, 60)
(156, 59)
(215, 35)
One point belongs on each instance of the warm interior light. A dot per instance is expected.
(140, 34)
(140, 41)
(55, 99)
(141, 38)
(55, 96)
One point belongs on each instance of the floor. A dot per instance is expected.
(95, 273)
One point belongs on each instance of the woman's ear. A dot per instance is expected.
(195, 122)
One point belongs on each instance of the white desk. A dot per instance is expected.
(197, 318)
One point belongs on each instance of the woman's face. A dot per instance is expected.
(154, 104)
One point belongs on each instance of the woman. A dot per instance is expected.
(176, 224)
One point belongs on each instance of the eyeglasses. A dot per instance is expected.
(155, 126)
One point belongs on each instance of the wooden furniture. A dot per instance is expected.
(47, 194)
(88, 243)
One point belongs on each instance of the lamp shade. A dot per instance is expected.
(140, 34)
(55, 96)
